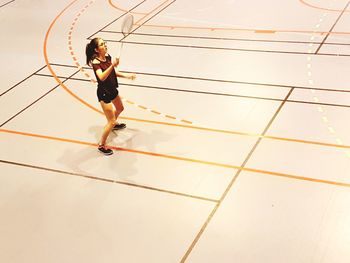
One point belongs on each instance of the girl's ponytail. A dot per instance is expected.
(90, 52)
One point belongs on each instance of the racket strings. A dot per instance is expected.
(127, 24)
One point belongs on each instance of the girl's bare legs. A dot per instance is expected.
(111, 119)
(119, 107)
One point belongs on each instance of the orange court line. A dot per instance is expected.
(240, 133)
(47, 137)
(229, 166)
(152, 11)
(320, 8)
(249, 29)
(48, 63)
(258, 31)
(121, 9)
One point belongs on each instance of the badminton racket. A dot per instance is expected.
(126, 27)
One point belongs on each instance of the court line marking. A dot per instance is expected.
(23, 80)
(341, 146)
(231, 184)
(173, 157)
(224, 39)
(9, 2)
(110, 181)
(302, 1)
(36, 99)
(331, 29)
(227, 49)
(320, 108)
(320, 8)
(270, 85)
(258, 31)
(235, 132)
(48, 63)
(86, 74)
(271, 31)
(202, 92)
(123, 10)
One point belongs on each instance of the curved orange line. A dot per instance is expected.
(49, 66)
(123, 10)
(147, 14)
(320, 8)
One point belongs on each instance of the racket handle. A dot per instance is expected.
(120, 50)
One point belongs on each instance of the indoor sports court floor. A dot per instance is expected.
(237, 146)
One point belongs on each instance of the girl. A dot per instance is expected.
(107, 92)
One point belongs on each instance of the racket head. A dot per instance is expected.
(127, 24)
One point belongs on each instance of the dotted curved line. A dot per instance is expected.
(87, 75)
(316, 99)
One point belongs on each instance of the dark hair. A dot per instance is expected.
(90, 51)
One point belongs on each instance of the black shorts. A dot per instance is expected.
(106, 96)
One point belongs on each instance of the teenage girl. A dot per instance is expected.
(107, 92)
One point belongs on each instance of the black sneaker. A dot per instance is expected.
(119, 126)
(104, 150)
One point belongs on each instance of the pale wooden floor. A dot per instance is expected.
(237, 147)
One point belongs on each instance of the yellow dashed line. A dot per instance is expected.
(171, 117)
(325, 120)
(189, 122)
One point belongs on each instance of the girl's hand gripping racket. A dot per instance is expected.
(126, 27)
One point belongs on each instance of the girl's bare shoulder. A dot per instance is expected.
(95, 61)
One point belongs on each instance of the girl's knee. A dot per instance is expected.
(112, 121)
